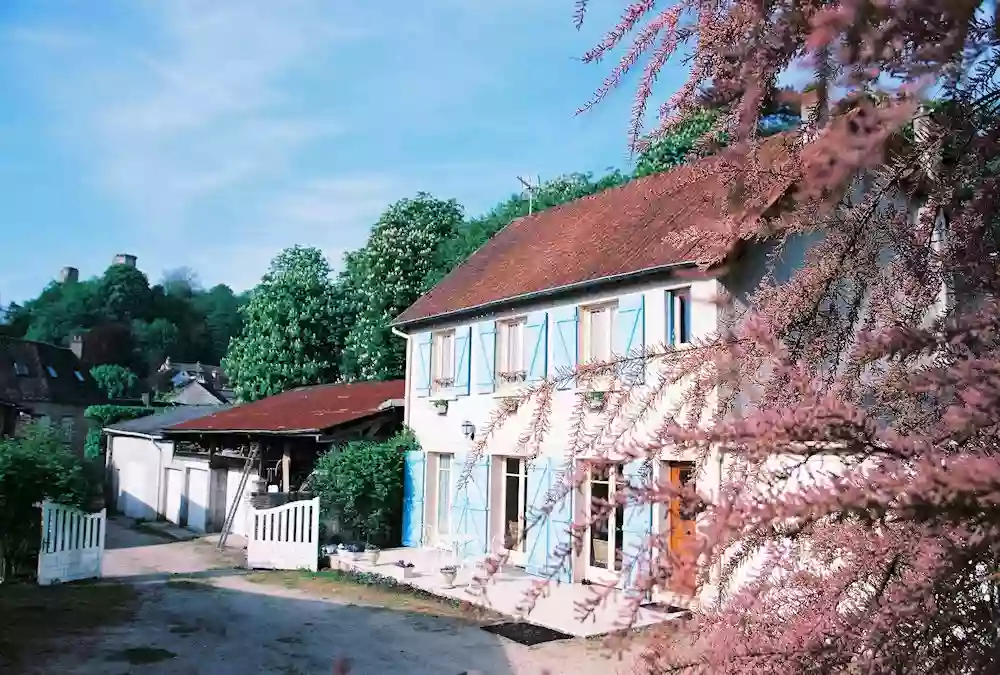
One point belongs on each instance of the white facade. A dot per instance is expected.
(150, 482)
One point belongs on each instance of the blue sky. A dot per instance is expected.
(213, 133)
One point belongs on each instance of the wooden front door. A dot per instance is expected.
(680, 516)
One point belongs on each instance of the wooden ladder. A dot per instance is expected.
(235, 506)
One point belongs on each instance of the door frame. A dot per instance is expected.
(664, 524)
(518, 558)
(599, 575)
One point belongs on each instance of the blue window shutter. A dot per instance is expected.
(413, 497)
(687, 317)
(472, 503)
(630, 332)
(669, 312)
(536, 345)
(638, 520)
(463, 343)
(561, 520)
(536, 543)
(564, 351)
(422, 373)
(485, 354)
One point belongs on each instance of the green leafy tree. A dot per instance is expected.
(115, 381)
(387, 276)
(221, 309)
(33, 468)
(287, 333)
(155, 340)
(102, 416)
(125, 293)
(62, 309)
(361, 485)
(679, 144)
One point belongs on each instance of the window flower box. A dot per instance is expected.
(595, 400)
(513, 377)
(441, 406)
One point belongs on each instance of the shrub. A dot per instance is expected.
(115, 381)
(361, 484)
(33, 468)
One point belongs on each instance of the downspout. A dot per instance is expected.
(406, 375)
(160, 502)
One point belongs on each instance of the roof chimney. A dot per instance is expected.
(69, 275)
(124, 259)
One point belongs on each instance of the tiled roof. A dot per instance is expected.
(301, 410)
(654, 222)
(153, 425)
(32, 381)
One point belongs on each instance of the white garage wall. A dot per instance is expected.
(135, 465)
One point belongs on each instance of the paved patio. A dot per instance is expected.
(558, 609)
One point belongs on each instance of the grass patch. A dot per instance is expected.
(188, 585)
(39, 621)
(140, 656)
(375, 590)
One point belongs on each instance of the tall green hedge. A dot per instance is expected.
(34, 467)
(361, 485)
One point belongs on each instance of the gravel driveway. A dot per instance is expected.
(215, 621)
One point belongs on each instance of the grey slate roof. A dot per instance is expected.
(153, 425)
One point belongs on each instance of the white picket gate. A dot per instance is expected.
(285, 537)
(72, 544)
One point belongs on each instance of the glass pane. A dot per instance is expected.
(513, 465)
(599, 529)
(512, 512)
(684, 331)
(619, 535)
(444, 493)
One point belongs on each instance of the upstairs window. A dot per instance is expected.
(20, 369)
(79, 375)
(443, 361)
(511, 369)
(597, 330)
(679, 316)
(52, 371)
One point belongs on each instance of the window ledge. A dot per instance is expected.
(507, 392)
(443, 396)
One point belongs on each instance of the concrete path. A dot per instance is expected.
(222, 624)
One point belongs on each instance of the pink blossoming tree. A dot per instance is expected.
(853, 405)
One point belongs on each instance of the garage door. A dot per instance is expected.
(173, 480)
(197, 499)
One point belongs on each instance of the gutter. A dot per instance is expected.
(406, 374)
(541, 295)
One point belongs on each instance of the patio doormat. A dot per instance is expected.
(526, 633)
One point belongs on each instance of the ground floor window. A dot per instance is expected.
(515, 506)
(442, 521)
(606, 530)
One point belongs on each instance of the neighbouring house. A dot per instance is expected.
(174, 375)
(288, 431)
(151, 477)
(200, 392)
(607, 274)
(47, 384)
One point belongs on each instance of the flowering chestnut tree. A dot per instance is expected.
(851, 404)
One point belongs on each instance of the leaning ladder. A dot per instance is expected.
(235, 506)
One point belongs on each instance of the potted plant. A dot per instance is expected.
(448, 574)
(441, 406)
(406, 567)
(513, 377)
(351, 551)
(594, 399)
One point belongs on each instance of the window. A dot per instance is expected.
(443, 361)
(597, 336)
(45, 421)
(52, 371)
(679, 316)
(442, 521)
(79, 375)
(20, 368)
(511, 368)
(67, 424)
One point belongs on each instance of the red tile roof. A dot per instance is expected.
(653, 222)
(301, 410)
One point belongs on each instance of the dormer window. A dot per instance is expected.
(52, 371)
(20, 369)
(79, 375)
